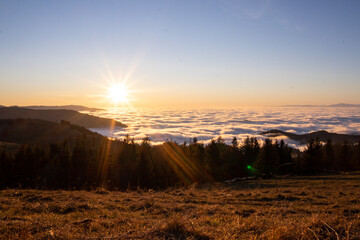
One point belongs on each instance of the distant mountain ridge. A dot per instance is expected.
(66, 107)
(332, 105)
(344, 105)
(74, 117)
(321, 135)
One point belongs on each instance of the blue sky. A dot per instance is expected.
(240, 53)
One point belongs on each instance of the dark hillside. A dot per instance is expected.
(33, 131)
(71, 116)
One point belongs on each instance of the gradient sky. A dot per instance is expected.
(214, 53)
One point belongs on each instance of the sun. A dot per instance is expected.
(118, 93)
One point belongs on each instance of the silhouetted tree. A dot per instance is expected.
(79, 163)
(356, 156)
(268, 159)
(343, 157)
(126, 165)
(236, 163)
(91, 161)
(312, 157)
(328, 161)
(250, 149)
(5, 168)
(284, 152)
(145, 164)
(234, 143)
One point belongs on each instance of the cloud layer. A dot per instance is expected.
(182, 125)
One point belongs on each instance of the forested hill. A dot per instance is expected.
(58, 115)
(35, 131)
(321, 135)
(67, 107)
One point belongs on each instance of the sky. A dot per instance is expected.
(180, 53)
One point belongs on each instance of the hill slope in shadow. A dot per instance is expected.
(74, 117)
(36, 131)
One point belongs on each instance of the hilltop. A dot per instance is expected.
(57, 115)
(321, 135)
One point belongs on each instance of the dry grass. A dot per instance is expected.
(296, 208)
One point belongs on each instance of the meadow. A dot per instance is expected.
(307, 207)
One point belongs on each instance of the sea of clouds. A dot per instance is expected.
(181, 125)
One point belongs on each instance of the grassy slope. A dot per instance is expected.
(297, 208)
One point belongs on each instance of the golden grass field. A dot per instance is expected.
(286, 208)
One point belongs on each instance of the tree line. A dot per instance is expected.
(90, 162)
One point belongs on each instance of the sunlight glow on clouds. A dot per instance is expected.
(182, 125)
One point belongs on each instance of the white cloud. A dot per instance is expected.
(181, 125)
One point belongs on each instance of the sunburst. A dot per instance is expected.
(118, 93)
